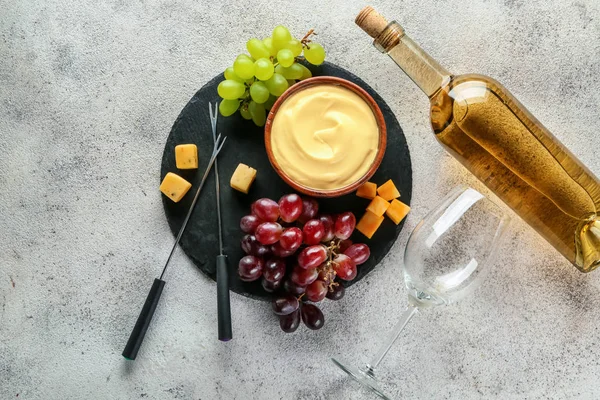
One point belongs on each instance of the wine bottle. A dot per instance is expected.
(488, 131)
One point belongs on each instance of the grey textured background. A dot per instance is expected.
(88, 93)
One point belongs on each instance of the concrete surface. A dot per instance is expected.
(88, 93)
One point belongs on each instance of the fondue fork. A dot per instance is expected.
(223, 306)
(143, 322)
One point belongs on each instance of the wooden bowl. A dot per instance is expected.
(327, 80)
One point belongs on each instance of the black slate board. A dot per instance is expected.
(245, 143)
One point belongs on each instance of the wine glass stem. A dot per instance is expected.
(387, 345)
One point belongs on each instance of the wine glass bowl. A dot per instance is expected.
(447, 256)
(440, 266)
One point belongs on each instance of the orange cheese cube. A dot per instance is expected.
(388, 191)
(174, 187)
(367, 191)
(368, 224)
(397, 211)
(186, 156)
(378, 206)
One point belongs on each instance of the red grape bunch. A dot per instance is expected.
(300, 254)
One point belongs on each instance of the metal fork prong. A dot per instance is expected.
(216, 143)
(213, 117)
(218, 149)
(218, 146)
(219, 141)
(222, 142)
(213, 113)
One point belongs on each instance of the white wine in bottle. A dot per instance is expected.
(482, 125)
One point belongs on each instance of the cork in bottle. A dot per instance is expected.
(371, 21)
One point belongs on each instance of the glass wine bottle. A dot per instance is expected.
(482, 125)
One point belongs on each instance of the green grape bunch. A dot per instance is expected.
(255, 81)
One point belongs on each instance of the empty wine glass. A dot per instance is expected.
(447, 256)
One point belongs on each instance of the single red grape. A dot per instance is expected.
(344, 267)
(260, 250)
(344, 225)
(249, 223)
(253, 247)
(310, 208)
(303, 277)
(270, 287)
(336, 292)
(289, 323)
(268, 232)
(344, 244)
(312, 316)
(328, 224)
(313, 231)
(359, 253)
(265, 209)
(292, 288)
(274, 270)
(291, 238)
(285, 305)
(312, 256)
(250, 268)
(279, 251)
(290, 207)
(248, 243)
(316, 291)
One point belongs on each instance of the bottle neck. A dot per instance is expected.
(426, 72)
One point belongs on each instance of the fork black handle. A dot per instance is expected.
(223, 306)
(143, 322)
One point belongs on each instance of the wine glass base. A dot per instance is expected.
(361, 377)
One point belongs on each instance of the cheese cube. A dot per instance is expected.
(378, 206)
(368, 224)
(174, 187)
(388, 191)
(397, 211)
(186, 156)
(367, 191)
(242, 178)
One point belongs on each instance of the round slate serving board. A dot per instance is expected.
(245, 144)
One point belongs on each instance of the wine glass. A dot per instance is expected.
(446, 258)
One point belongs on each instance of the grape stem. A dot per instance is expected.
(305, 40)
(331, 274)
